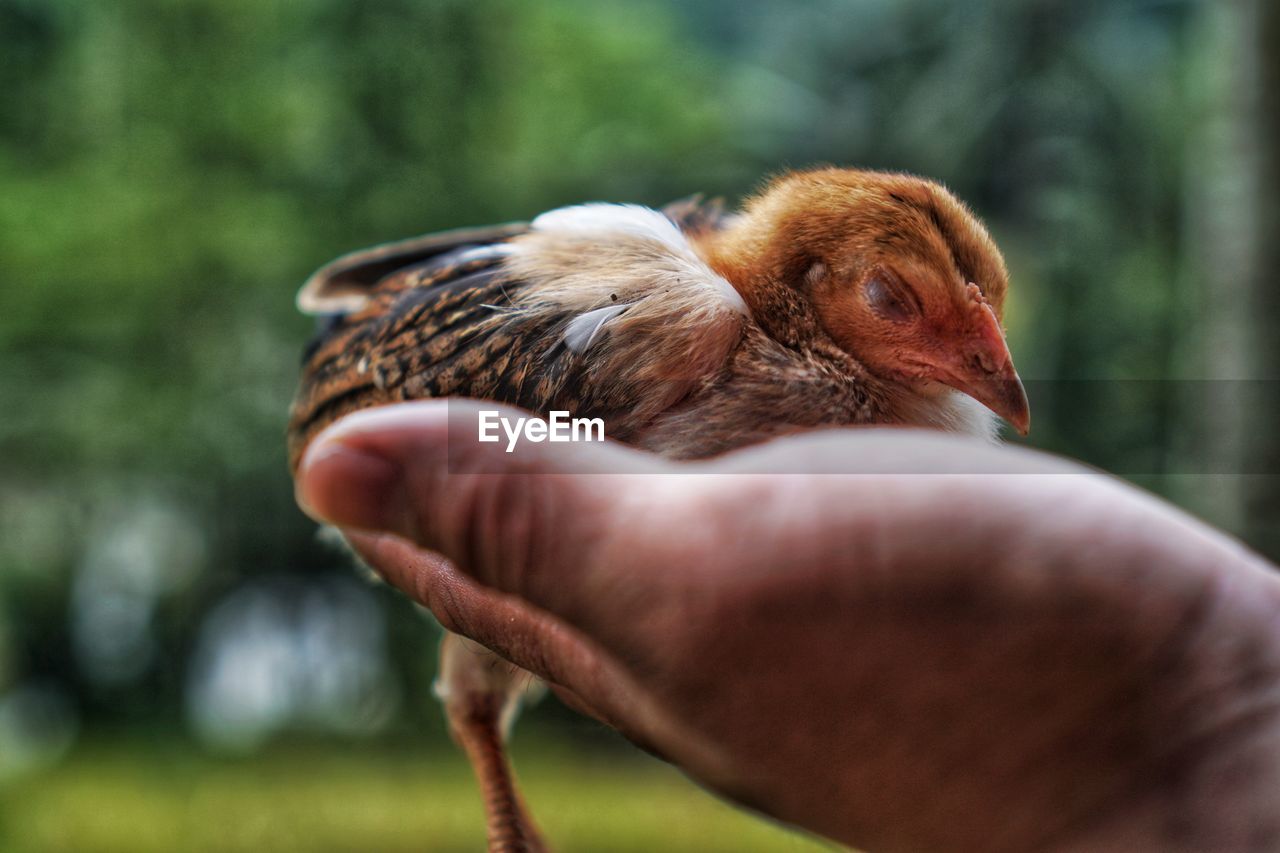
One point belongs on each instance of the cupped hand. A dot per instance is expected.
(899, 640)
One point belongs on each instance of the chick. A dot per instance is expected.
(835, 297)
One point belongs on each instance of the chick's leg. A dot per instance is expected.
(481, 693)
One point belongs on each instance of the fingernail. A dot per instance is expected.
(339, 483)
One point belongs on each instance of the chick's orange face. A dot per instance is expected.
(904, 278)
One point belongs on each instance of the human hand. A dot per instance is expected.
(900, 640)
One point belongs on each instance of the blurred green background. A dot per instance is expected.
(183, 665)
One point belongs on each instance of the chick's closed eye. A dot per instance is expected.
(889, 300)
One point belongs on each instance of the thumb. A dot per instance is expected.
(534, 521)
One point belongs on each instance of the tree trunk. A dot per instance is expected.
(1262, 439)
(1234, 218)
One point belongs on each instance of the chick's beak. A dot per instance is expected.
(983, 369)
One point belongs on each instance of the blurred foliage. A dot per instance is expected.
(170, 171)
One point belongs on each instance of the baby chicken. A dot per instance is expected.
(835, 297)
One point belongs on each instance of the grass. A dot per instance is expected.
(139, 798)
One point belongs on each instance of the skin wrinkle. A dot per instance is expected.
(647, 593)
(1116, 702)
(701, 608)
(505, 535)
(1239, 720)
(451, 501)
(1179, 779)
(1174, 811)
(1181, 635)
(486, 616)
(446, 603)
(1179, 629)
(512, 539)
(529, 502)
(764, 623)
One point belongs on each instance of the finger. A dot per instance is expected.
(536, 523)
(889, 451)
(532, 639)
